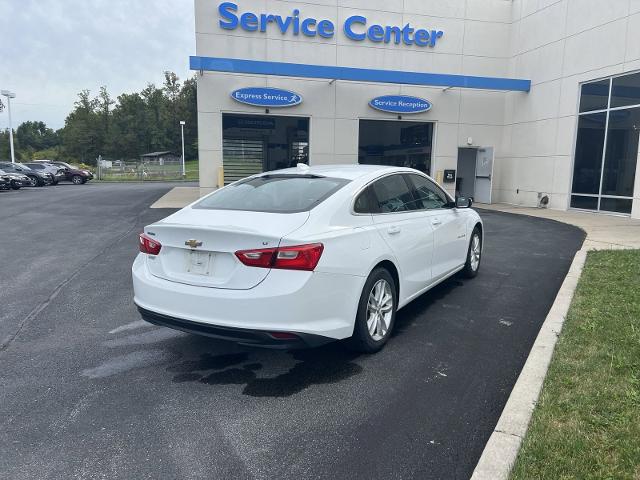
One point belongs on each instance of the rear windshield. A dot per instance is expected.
(274, 193)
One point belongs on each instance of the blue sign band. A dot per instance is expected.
(400, 104)
(234, 65)
(266, 97)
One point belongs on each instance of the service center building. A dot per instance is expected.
(532, 102)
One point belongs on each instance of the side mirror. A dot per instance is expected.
(463, 202)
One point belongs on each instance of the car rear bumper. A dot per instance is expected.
(308, 304)
(242, 336)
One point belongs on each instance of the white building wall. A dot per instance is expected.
(558, 44)
(476, 42)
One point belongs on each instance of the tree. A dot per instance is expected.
(104, 103)
(81, 133)
(5, 146)
(34, 136)
(125, 128)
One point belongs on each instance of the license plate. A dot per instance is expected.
(199, 263)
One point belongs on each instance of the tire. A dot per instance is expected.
(14, 186)
(77, 180)
(54, 183)
(380, 282)
(33, 181)
(474, 255)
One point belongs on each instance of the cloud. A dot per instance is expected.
(52, 49)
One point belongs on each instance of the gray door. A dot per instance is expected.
(484, 173)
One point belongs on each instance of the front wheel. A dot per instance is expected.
(376, 312)
(15, 186)
(474, 255)
(77, 180)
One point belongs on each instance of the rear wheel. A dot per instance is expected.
(474, 255)
(77, 180)
(376, 312)
(14, 185)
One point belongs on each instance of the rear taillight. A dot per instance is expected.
(149, 245)
(299, 257)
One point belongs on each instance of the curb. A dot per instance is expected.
(501, 450)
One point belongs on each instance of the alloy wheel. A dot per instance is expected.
(379, 310)
(475, 252)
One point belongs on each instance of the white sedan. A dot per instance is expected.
(304, 256)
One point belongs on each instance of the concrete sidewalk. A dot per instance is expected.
(603, 231)
(178, 197)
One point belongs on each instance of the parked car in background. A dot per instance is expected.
(38, 179)
(16, 180)
(72, 173)
(303, 256)
(5, 181)
(56, 171)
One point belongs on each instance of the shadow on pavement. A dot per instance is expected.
(328, 364)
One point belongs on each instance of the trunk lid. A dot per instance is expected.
(213, 236)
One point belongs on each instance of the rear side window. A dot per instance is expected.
(366, 202)
(392, 195)
(35, 166)
(274, 193)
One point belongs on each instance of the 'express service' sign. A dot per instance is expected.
(356, 27)
(400, 104)
(266, 97)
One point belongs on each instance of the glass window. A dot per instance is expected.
(253, 144)
(594, 96)
(586, 203)
(366, 202)
(618, 205)
(399, 143)
(622, 153)
(393, 195)
(625, 91)
(274, 193)
(428, 195)
(588, 160)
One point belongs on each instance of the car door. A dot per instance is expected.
(406, 231)
(448, 223)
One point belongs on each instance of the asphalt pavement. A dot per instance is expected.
(88, 390)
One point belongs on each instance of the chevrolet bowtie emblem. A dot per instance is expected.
(193, 243)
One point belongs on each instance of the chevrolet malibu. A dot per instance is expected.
(303, 256)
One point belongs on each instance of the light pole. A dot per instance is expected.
(10, 95)
(182, 124)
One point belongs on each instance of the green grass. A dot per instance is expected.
(587, 422)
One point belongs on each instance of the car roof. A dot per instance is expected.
(347, 172)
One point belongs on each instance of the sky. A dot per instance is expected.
(52, 49)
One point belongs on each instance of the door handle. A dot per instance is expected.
(393, 230)
(436, 221)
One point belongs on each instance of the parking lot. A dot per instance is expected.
(88, 390)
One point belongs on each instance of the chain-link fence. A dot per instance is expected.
(138, 171)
